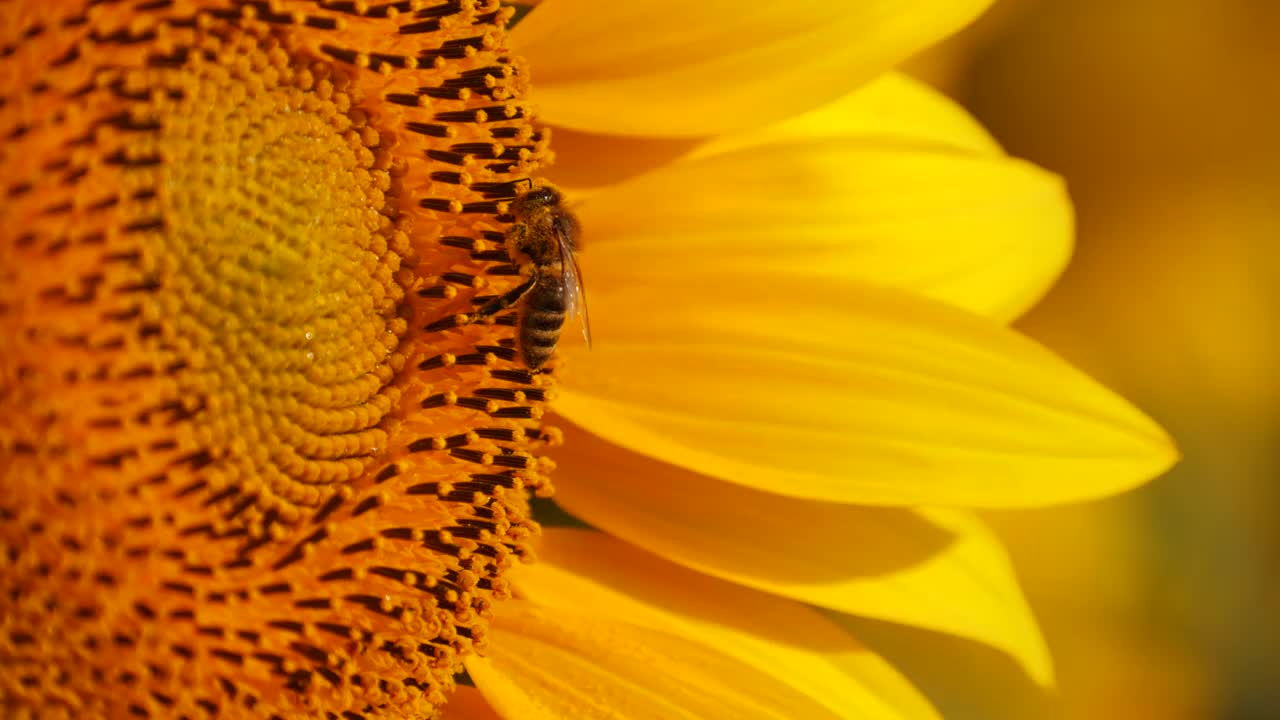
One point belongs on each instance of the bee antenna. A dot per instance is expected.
(515, 184)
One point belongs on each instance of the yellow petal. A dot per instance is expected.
(671, 68)
(554, 664)
(971, 680)
(579, 168)
(928, 569)
(981, 231)
(893, 110)
(849, 393)
(751, 654)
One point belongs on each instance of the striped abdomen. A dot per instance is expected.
(541, 321)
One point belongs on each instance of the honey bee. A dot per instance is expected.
(545, 233)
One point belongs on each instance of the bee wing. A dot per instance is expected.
(575, 294)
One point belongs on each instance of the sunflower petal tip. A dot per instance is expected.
(1164, 452)
(1152, 448)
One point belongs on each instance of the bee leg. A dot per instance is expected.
(504, 301)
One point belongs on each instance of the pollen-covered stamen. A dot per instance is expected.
(244, 474)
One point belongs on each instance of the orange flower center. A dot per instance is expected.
(249, 464)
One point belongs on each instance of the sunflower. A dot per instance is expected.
(257, 463)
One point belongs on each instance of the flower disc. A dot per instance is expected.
(250, 466)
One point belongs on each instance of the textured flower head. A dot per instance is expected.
(261, 459)
(250, 466)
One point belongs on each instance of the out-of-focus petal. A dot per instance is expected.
(836, 391)
(669, 68)
(940, 571)
(981, 231)
(796, 644)
(557, 664)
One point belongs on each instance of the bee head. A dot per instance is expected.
(543, 196)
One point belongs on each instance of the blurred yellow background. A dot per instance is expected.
(1164, 117)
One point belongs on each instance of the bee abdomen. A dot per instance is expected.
(539, 333)
(540, 320)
